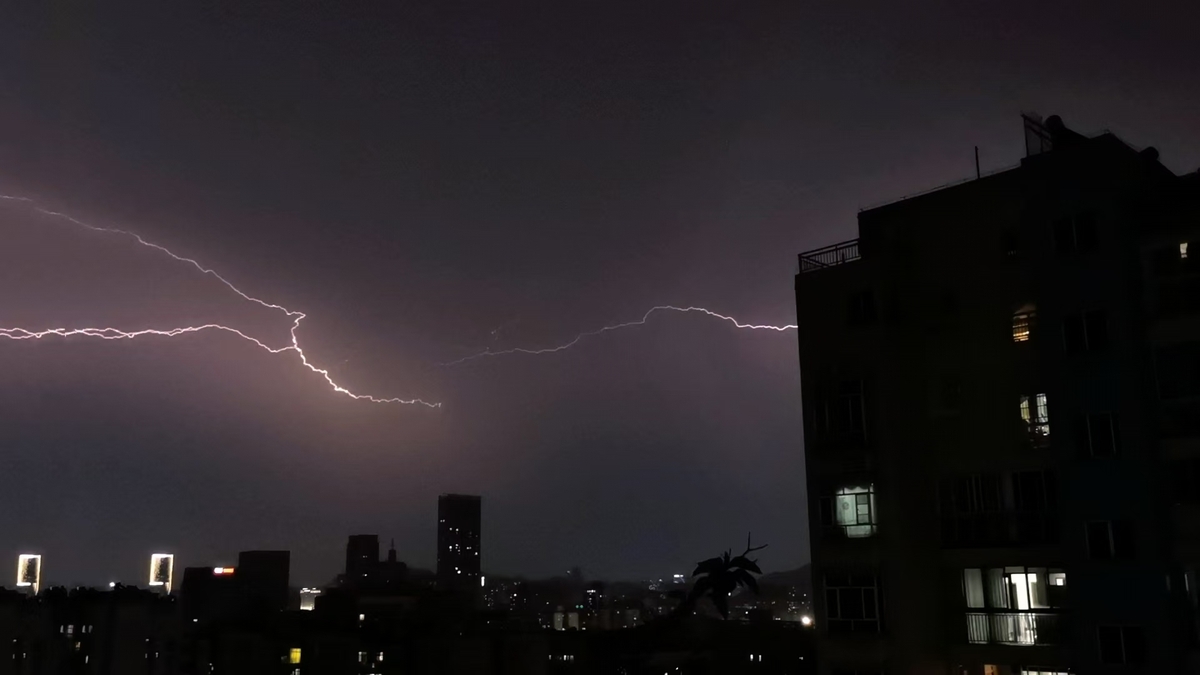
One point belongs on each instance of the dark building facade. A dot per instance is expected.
(458, 554)
(362, 556)
(1002, 428)
(262, 578)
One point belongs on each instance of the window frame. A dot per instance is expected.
(1086, 437)
(1123, 631)
(834, 621)
(863, 496)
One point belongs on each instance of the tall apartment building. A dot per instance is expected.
(459, 524)
(1001, 385)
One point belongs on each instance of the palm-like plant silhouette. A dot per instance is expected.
(721, 576)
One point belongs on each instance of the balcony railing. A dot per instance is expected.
(1015, 628)
(830, 256)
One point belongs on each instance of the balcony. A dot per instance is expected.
(829, 256)
(1015, 628)
(999, 529)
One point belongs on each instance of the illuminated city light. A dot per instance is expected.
(162, 570)
(618, 326)
(108, 333)
(223, 571)
(29, 571)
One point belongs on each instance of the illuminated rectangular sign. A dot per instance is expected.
(162, 569)
(29, 571)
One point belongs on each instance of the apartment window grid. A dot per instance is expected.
(838, 412)
(850, 512)
(852, 602)
(1075, 234)
(1098, 435)
(1014, 605)
(1023, 323)
(997, 509)
(1035, 419)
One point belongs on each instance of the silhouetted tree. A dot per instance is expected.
(720, 577)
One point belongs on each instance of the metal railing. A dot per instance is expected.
(829, 256)
(1015, 628)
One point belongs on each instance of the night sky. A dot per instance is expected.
(427, 182)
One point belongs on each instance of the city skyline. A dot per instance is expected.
(428, 185)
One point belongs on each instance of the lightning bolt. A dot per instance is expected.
(618, 326)
(117, 334)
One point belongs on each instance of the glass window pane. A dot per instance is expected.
(973, 587)
(1038, 588)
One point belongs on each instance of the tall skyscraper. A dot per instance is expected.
(1000, 383)
(362, 557)
(29, 571)
(262, 579)
(162, 570)
(458, 554)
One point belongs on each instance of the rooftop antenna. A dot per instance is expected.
(977, 174)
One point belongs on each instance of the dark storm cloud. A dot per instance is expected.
(414, 178)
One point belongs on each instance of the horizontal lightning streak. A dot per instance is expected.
(606, 329)
(117, 334)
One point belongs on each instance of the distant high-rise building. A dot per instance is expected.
(362, 557)
(29, 571)
(209, 593)
(308, 598)
(458, 555)
(162, 568)
(262, 580)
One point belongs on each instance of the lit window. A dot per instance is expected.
(1035, 416)
(1006, 604)
(1022, 323)
(850, 512)
(1183, 250)
(294, 655)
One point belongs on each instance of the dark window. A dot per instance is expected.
(852, 603)
(999, 510)
(1178, 369)
(1121, 644)
(1086, 331)
(1110, 540)
(1075, 234)
(837, 412)
(1098, 435)
(1011, 244)
(862, 309)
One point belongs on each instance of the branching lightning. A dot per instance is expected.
(118, 334)
(619, 326)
